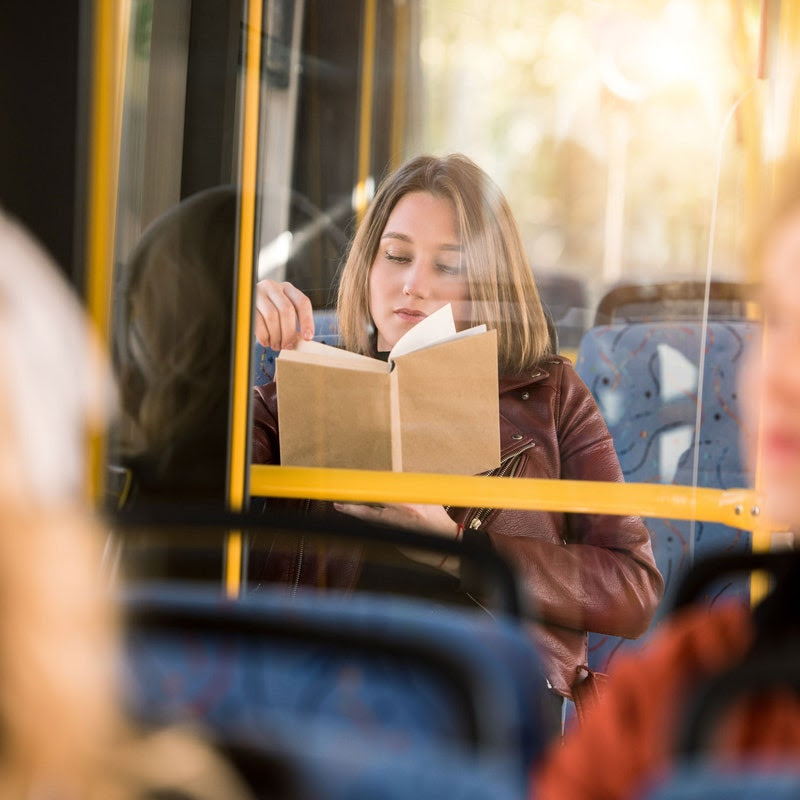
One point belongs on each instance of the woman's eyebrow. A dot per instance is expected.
(455, 248)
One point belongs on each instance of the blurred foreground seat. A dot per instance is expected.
(734, 782)
(380, 677)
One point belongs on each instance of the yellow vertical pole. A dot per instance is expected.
(788, 63)
(243, 311)
(365, 107)
(109, 26)
(399, 82)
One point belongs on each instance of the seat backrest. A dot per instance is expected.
(326, 330)
(565, 297)
(735, 782)
(281, 548)
(343, 767)
(403, 675)
(676, 299)
(644, 377)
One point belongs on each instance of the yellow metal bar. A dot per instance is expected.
(732, 507)
(761, 538)
(240, 402)
(788, 65)
(749, 114)
(399, 83)
(365, 107)
(109, 50)
(233, 564)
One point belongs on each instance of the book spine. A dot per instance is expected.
(394, 413)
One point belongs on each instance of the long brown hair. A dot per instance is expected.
(502, 290)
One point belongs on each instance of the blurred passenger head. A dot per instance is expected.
(771, 385)
(54, 390)
(63, 734)
(173, 332)
(501, 289)
(57, 651)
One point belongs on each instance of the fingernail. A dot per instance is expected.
(308, 335)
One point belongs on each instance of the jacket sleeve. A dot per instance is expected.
(600, 575)
(629, 736)
(265, 448)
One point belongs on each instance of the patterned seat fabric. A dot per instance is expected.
(644, 377)
(272, 661)
(326, 330)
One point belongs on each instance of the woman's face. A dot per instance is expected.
(418, 269)
(772, 385)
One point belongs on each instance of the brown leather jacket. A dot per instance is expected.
(580, 572)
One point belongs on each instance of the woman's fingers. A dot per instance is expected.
(413, 516)
(303, 310)
(365, 512)
(281, 309)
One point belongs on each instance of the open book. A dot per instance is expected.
(433, 407)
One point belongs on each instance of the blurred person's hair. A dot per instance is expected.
(62, 733)
(173, 333)
(502, 291)
(55, 391)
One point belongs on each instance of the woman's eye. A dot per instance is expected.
(396, 258)
(449, 269)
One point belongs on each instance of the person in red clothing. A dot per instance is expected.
(630, 733)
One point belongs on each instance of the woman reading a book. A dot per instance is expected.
(440, 231)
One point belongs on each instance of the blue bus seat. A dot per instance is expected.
(644, 377)
(400, 675)
(344, 768)
(734, 781)
(566, 299)
(326, 330)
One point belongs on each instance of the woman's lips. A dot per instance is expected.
(409, 314)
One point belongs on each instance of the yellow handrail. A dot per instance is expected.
(738, 508)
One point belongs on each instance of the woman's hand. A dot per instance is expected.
(411, 516)
(283, 315)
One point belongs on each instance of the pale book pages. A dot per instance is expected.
(437, 328)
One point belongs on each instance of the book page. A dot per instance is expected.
(435, 329)
(327, 356)
(445, 426)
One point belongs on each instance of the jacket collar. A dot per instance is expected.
(510, 382)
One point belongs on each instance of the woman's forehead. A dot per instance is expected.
(423, 216)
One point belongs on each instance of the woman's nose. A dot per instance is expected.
(417, 283)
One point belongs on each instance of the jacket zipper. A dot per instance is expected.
(300, 550)
(507, 468)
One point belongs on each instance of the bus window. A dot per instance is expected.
(175, 253)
